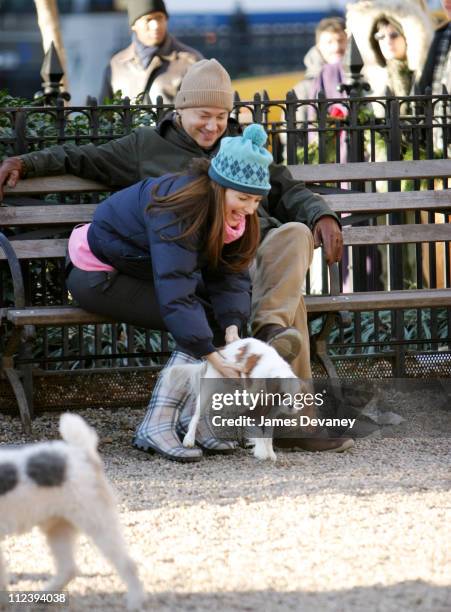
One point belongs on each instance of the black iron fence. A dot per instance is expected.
(308, 132)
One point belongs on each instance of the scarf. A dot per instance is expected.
(145, 54)
(233, 233)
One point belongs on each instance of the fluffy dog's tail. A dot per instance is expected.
(185, 376)
(76, 432)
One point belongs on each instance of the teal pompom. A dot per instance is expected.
(256, 134)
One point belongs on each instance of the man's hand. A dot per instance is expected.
(10, 172)
(327, 232)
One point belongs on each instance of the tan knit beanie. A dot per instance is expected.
(206, 83)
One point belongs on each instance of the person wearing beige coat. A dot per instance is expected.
(155, 63)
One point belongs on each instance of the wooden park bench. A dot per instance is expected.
(363, 205)
(32, 213)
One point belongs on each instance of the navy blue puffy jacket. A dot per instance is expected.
(126, 236)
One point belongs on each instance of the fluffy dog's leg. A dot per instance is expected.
(190, 437)
(3, 574)
(263, 448)
(61, 536)
(269, 449)
(107, 536)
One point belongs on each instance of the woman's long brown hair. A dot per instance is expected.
(200, 208)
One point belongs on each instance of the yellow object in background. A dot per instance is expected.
(276, 85)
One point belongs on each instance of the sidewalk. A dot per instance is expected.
(367, 530)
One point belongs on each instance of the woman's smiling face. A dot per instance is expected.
(239, 204)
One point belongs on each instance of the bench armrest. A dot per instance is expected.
(16, 271)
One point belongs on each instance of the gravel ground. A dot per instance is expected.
(366, 530)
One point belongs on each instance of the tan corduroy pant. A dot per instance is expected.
(282, 263)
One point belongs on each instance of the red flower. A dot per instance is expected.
(337, 112)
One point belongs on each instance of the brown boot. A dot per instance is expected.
(315, 445)
(286, 340)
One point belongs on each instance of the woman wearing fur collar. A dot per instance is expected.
(393, 37)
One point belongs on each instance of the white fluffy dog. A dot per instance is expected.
(259, 361)
(61, 487)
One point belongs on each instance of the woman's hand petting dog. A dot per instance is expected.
(227, 369)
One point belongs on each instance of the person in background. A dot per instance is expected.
(330, 47)
(437, 72)
(155, 62)
(437, 69)
(393, 37)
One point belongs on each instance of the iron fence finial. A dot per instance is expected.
(52, 74)
(353, 65)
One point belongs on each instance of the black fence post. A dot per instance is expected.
(52, 74)
(160, 107)
(355, 86)
(395, 252)
(127, 117)
(257, 113)
(322, 127)
(291, 127)
(20, 133)
(353, 64)
(394, 154)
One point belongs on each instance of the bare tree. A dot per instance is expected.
(49, 24)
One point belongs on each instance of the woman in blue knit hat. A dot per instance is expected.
(173, 253)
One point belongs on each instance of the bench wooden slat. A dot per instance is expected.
(48, 214)
(54, 315)
(379, 203)
(367, 171)
(38, 249)
(396, 234)
(315, 173)
(379, 300)
(370, 203)
(380, 234)
(64, 183)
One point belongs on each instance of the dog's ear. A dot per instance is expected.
(251, 361)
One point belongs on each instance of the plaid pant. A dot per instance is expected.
(159, 426)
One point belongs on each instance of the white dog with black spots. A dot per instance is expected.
(61, 487)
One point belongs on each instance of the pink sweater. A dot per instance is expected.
(81, 255)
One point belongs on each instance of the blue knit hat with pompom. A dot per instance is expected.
(242, 163)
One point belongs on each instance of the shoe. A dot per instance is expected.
(286, 340)
(179, 453)
(316, 445)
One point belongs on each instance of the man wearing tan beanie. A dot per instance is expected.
(292, 219)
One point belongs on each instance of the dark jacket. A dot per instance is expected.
(162, 77)
(132, 240)
(431, 61)
(167, 148)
